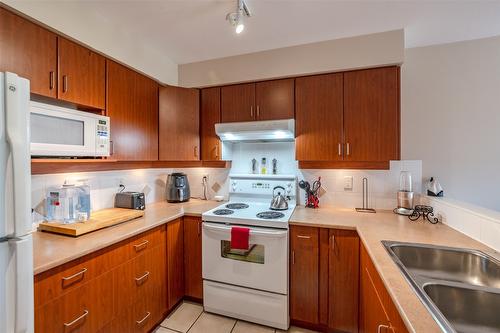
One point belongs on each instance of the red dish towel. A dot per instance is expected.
(239, 238)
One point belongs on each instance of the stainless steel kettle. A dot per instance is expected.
(279, 201)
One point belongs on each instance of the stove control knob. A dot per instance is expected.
(233, 185)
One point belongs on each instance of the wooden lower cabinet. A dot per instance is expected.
(377, 310)
(193, 281)
(175, 262)
(118, 289)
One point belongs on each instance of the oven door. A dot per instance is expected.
(264, 266)
(56, 132)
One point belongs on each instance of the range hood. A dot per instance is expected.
(257, 131)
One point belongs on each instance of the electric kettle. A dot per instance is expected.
(279, 201)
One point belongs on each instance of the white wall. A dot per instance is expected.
(451, 117)
(386, 48)
(125, 48)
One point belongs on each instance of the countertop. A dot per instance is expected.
(52, 250)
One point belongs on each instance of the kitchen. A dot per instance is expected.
(329, 177)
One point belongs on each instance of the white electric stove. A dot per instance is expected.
(249, 284)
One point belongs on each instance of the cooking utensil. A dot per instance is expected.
(279, 201)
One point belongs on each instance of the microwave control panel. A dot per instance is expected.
(102, 137)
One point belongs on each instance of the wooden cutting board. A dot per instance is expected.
(99, 219)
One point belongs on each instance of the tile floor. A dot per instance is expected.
(190, 317)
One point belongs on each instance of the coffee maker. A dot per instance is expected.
(405, 194)
(178, 187)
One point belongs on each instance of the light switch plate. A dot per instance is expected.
(347, 182)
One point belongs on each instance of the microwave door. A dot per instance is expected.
(58, 135)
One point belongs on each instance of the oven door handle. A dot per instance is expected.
(253, 232)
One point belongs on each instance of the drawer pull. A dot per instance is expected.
(140, 322)
(70, 324)
(304, 237)
(141, 246)
(140, 279)
(71, 277)
(380, 327)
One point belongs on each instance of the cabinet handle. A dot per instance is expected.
(251, 111)
(340, 149)
(51, 80)
(141, 246)
(293, 257)
(111, 147)
(139, 322)
(85, 313)
(304, 237)
(332, 242)
(348, 149)
(65, 83)
(140, 279)
(217, 151)
(71, 277)
(379, 328)
(258, 111)
(195, 151)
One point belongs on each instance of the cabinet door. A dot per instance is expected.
(343, 287)
(210, 115)
(29, 51)
(371, 114)
(175, 262)
(275, 99)
(304, 274)
(192, 257)
(132, 105)
(238, 103)
(318, 113)
(179, 124)
(81, 75)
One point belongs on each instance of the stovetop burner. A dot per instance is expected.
(269, 215)
(223, 212)
(237, 206)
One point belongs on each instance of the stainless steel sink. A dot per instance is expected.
(460, 287)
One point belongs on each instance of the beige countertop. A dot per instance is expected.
(385, 225)
(52, 250)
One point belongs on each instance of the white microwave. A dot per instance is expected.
(62, 132)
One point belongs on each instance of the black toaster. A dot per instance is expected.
(131, 200)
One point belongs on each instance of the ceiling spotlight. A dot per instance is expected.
(236, 18)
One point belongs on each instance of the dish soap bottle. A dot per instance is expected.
(263, 166)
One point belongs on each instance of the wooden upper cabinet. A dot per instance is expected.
(179, 124)
(275, 99)
(29, 51)
(343, 289)
(132, 105)
(304, 274)
(209, 116)
(319, 112)
(238, 103)
(193, 281)
(81, 75)
(371, 114)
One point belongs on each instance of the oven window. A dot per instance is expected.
(55, 130)
(254, 254)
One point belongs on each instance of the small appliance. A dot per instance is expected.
(178, 187)
(61, 132)
(279, 201)
(405, 194)
(130, 200)
(68, 203)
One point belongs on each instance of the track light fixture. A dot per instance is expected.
(236, 18)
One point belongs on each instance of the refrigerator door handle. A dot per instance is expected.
(18, 136)
(24, 307)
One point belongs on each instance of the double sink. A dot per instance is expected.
(460, 288)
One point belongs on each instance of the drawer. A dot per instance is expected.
(87, 308)
(140, 279)
(139, 318)
(145, 241)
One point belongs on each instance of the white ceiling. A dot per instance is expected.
(194, 30)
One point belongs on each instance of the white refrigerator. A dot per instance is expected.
(16, 245)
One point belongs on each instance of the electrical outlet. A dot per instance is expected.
(348, 183)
